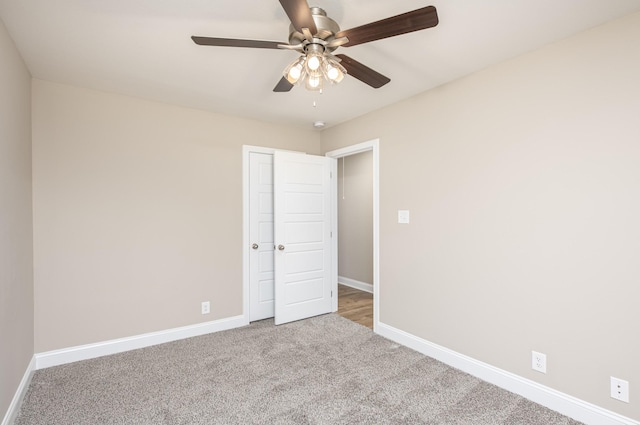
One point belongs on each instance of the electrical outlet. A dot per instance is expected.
(620, 389)
(403, 216)
(539, 362)
(206, 307)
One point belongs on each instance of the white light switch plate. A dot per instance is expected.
(403, 216)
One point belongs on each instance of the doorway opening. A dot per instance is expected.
(356, 222)
(355, 241)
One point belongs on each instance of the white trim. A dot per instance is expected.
(90, 351)
(334, 234)
(353, 149)
(565, 404)
(371, 145)
(352, 283)
(14, 407)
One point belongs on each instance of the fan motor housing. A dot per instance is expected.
(327, 29)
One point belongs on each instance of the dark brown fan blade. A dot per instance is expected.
(363, 73)
(283, 86)
(417, 20)
(299, 14)
(234, 42)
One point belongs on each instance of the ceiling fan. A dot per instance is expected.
(316, 36)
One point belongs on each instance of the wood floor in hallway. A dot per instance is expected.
(355, 305)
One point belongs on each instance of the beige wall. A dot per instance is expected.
(137, 213)
(355, 217)
(523, 183)
(16, 253)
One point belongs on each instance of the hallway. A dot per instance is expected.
(355, 305)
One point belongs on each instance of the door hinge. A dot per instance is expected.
(330, 174)
(331, 294)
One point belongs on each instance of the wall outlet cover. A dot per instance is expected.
(539, 362)
(206, 307)
(403, 216)
(620, 389)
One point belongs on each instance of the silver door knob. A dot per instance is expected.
(254, 246)
(281, 247)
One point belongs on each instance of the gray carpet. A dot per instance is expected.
(325, 370)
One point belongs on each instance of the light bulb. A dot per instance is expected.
(295, 72)
(313, 63)
(332, 73)
(314, 81)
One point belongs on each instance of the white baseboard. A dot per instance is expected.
(90, 351)
(352, 283)
(565, 404)
(14, 407)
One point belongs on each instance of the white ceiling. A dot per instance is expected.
(143, 48)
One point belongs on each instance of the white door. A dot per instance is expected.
(302, 223)
(261, 276)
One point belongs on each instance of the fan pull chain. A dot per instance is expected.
(314, 101)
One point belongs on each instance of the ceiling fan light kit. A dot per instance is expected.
(313, 68)
(317, 64)
(313, 34)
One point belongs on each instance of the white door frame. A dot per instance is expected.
(372, 145)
